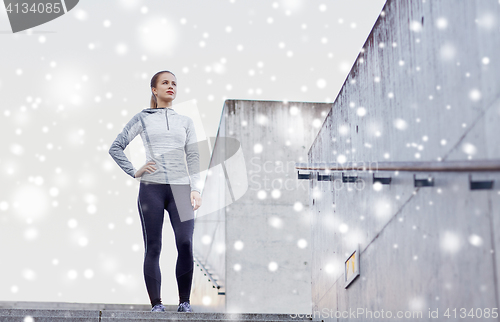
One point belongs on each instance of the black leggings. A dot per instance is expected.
(153, 199)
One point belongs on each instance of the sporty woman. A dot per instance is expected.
(164, 184)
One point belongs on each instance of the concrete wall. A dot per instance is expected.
(424, 88)
(254, 231)
(209, 237)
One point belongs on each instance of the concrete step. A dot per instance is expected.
(79, 306)
(56, 315)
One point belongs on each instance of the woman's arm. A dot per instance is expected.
(193, 156)
(129, 132)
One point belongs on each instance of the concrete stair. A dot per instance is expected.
(46, 315)
(95, 312)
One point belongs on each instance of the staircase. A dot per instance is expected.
(80, 312)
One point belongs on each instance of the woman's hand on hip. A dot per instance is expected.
(195, 199)
(149, 167)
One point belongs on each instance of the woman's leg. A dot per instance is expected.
(150, 203)
(180, 210)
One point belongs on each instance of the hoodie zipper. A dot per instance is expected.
(166, 115)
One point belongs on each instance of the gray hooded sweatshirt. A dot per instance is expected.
(166, 135)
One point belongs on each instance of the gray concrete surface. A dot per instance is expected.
(77, 306)
(425, 88)
(40, 315)
(256, 203)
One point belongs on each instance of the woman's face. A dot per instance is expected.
(166, 88)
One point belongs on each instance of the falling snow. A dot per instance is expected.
(60, 172)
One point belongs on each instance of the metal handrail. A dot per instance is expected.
(427, 166)
(208, 274)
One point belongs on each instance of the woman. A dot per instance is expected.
(164, 184)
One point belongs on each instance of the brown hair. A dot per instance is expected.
(154, 81)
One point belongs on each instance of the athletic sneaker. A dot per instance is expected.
(184, 307)
(158, 308)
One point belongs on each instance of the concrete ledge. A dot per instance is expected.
(44, 315)
(175, 316)
(79, 306)
(40, 315)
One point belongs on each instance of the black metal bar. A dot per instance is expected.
(326, 177)
(306, 176)
(382, 180)
(480, 185)
(348, 179)
(429, 182)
